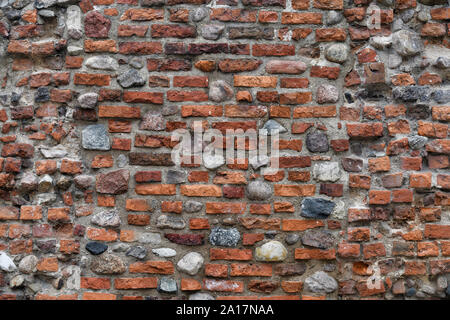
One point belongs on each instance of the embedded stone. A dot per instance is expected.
(96, 25)
(292, 238)
(115, 182)
(199, 14)
(165, 252)
(153, 121)
(102, 63)
(317, 142)
(28, 182)
(213, 161)
(212, 31)
(321, 239)
(220, 90)
(152, 238)
(170, 222)
(271, 251)
(352, 165)
(167, 285)
(333, 17)
(176, 177)
(88, 100)
(327, 93)
(284, 66)
(95, 137)
(192, 206)
(84, 181)
(327, 171)
(107, 264)
(191, 263)
(138, 252)
(407, 43)
(259, 190)
(321, 282)
(131, 78)
(109, 218)
(227, 237)
(185, 239)
(337, 53)
(73, 22)
(96, 248)
(201, 296)
(417, 142)
(28, 264)
(273, 127)
(316, 208)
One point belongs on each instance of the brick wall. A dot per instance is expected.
(93, 207)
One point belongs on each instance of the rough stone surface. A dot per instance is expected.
(271, 251)
(224, 237)
(107, 264)
(220, 91)
(131, 78)
(321, 282)
(96, 248)
(317, 208)
(317, 142)
(191, 263)
(95, 137)
(318, 239)
(327, 171)
(107, 218)
(259, 190)
(114, 182)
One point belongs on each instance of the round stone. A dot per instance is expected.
(317, 141)
(316, 208)
(321, 282)
(417, 142)
(213, 161)
(96, 248)
(292, 238)
(88, 100)
(152, 238)
(165, 252)
(199, 14)
(327, 93)
(191, 263)
(224, 237)
(407, 43)
(6, 263)
(271, 251)
(333, 17)
(259, 190)
(337, 53)
(28, 264)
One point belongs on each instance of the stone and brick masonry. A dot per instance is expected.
(92, 206)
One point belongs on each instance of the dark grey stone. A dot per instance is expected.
(176, 177)
(226, 237)
(42, 95)
(317, 142)
(292, 238)
(131, 78)
(441, 96)
(96, 248)
(321, 239)
(352, 165)
(410, 292)
(316, 208)
(138, 252)
(95, 137)
(411, 93)
(417, 142)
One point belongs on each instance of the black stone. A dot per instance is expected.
(15, 97)
(42, 95)
(317, 142)
(348, 96)
(317, 208)
(96, 248)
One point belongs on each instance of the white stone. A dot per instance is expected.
(212, 162)
(164, 252)
(73, 22)
(191, 263)
(321, 282)
(55, 152)
(327, 171)
(380, 42)
(271, 251)
(6, 263)
(108, 218)
(151, 238)
(73, 282)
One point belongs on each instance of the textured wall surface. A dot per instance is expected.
(92, 206)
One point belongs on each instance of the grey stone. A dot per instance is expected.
(442, 63)
(201, 296)
(352, 164)
(192, 206)
(28, 182)
(88, 100)
(152, 238)
(191, 263)
(292, 238)
(199, 14)
(327, 93)
(169, 110)
(102, 63)
(212, 31)
(122, 161)
(259, 190)
(321, 282)
(16, 282)
(42, 95)
(95, 137)
(424, 15)
(73, 22)
(407, 43)
(327, 171)
(273, 127)
(120, 247)
(131, 78)
(176, 177)
(213, 161)
(54, 152)
(170, 222)
(321, 239)
(381, 42)
(138, 252)
(42, 4)
(167, 285)
(45, 183)
(107, 218)
(74, 50)
(441, 96)
(316, 208)
(317, 141)
(46, 13)
(107, 264)
(417, 142)
(411, 93)
(96, 248)
(84, 181)
(442, 282)
(28, 264)
(333, 17)
(428, 289)
(337, 53)
(407, 15)
(153, 121)
(136, 63)
(220, 90)
(227, 237)
(165, 252)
